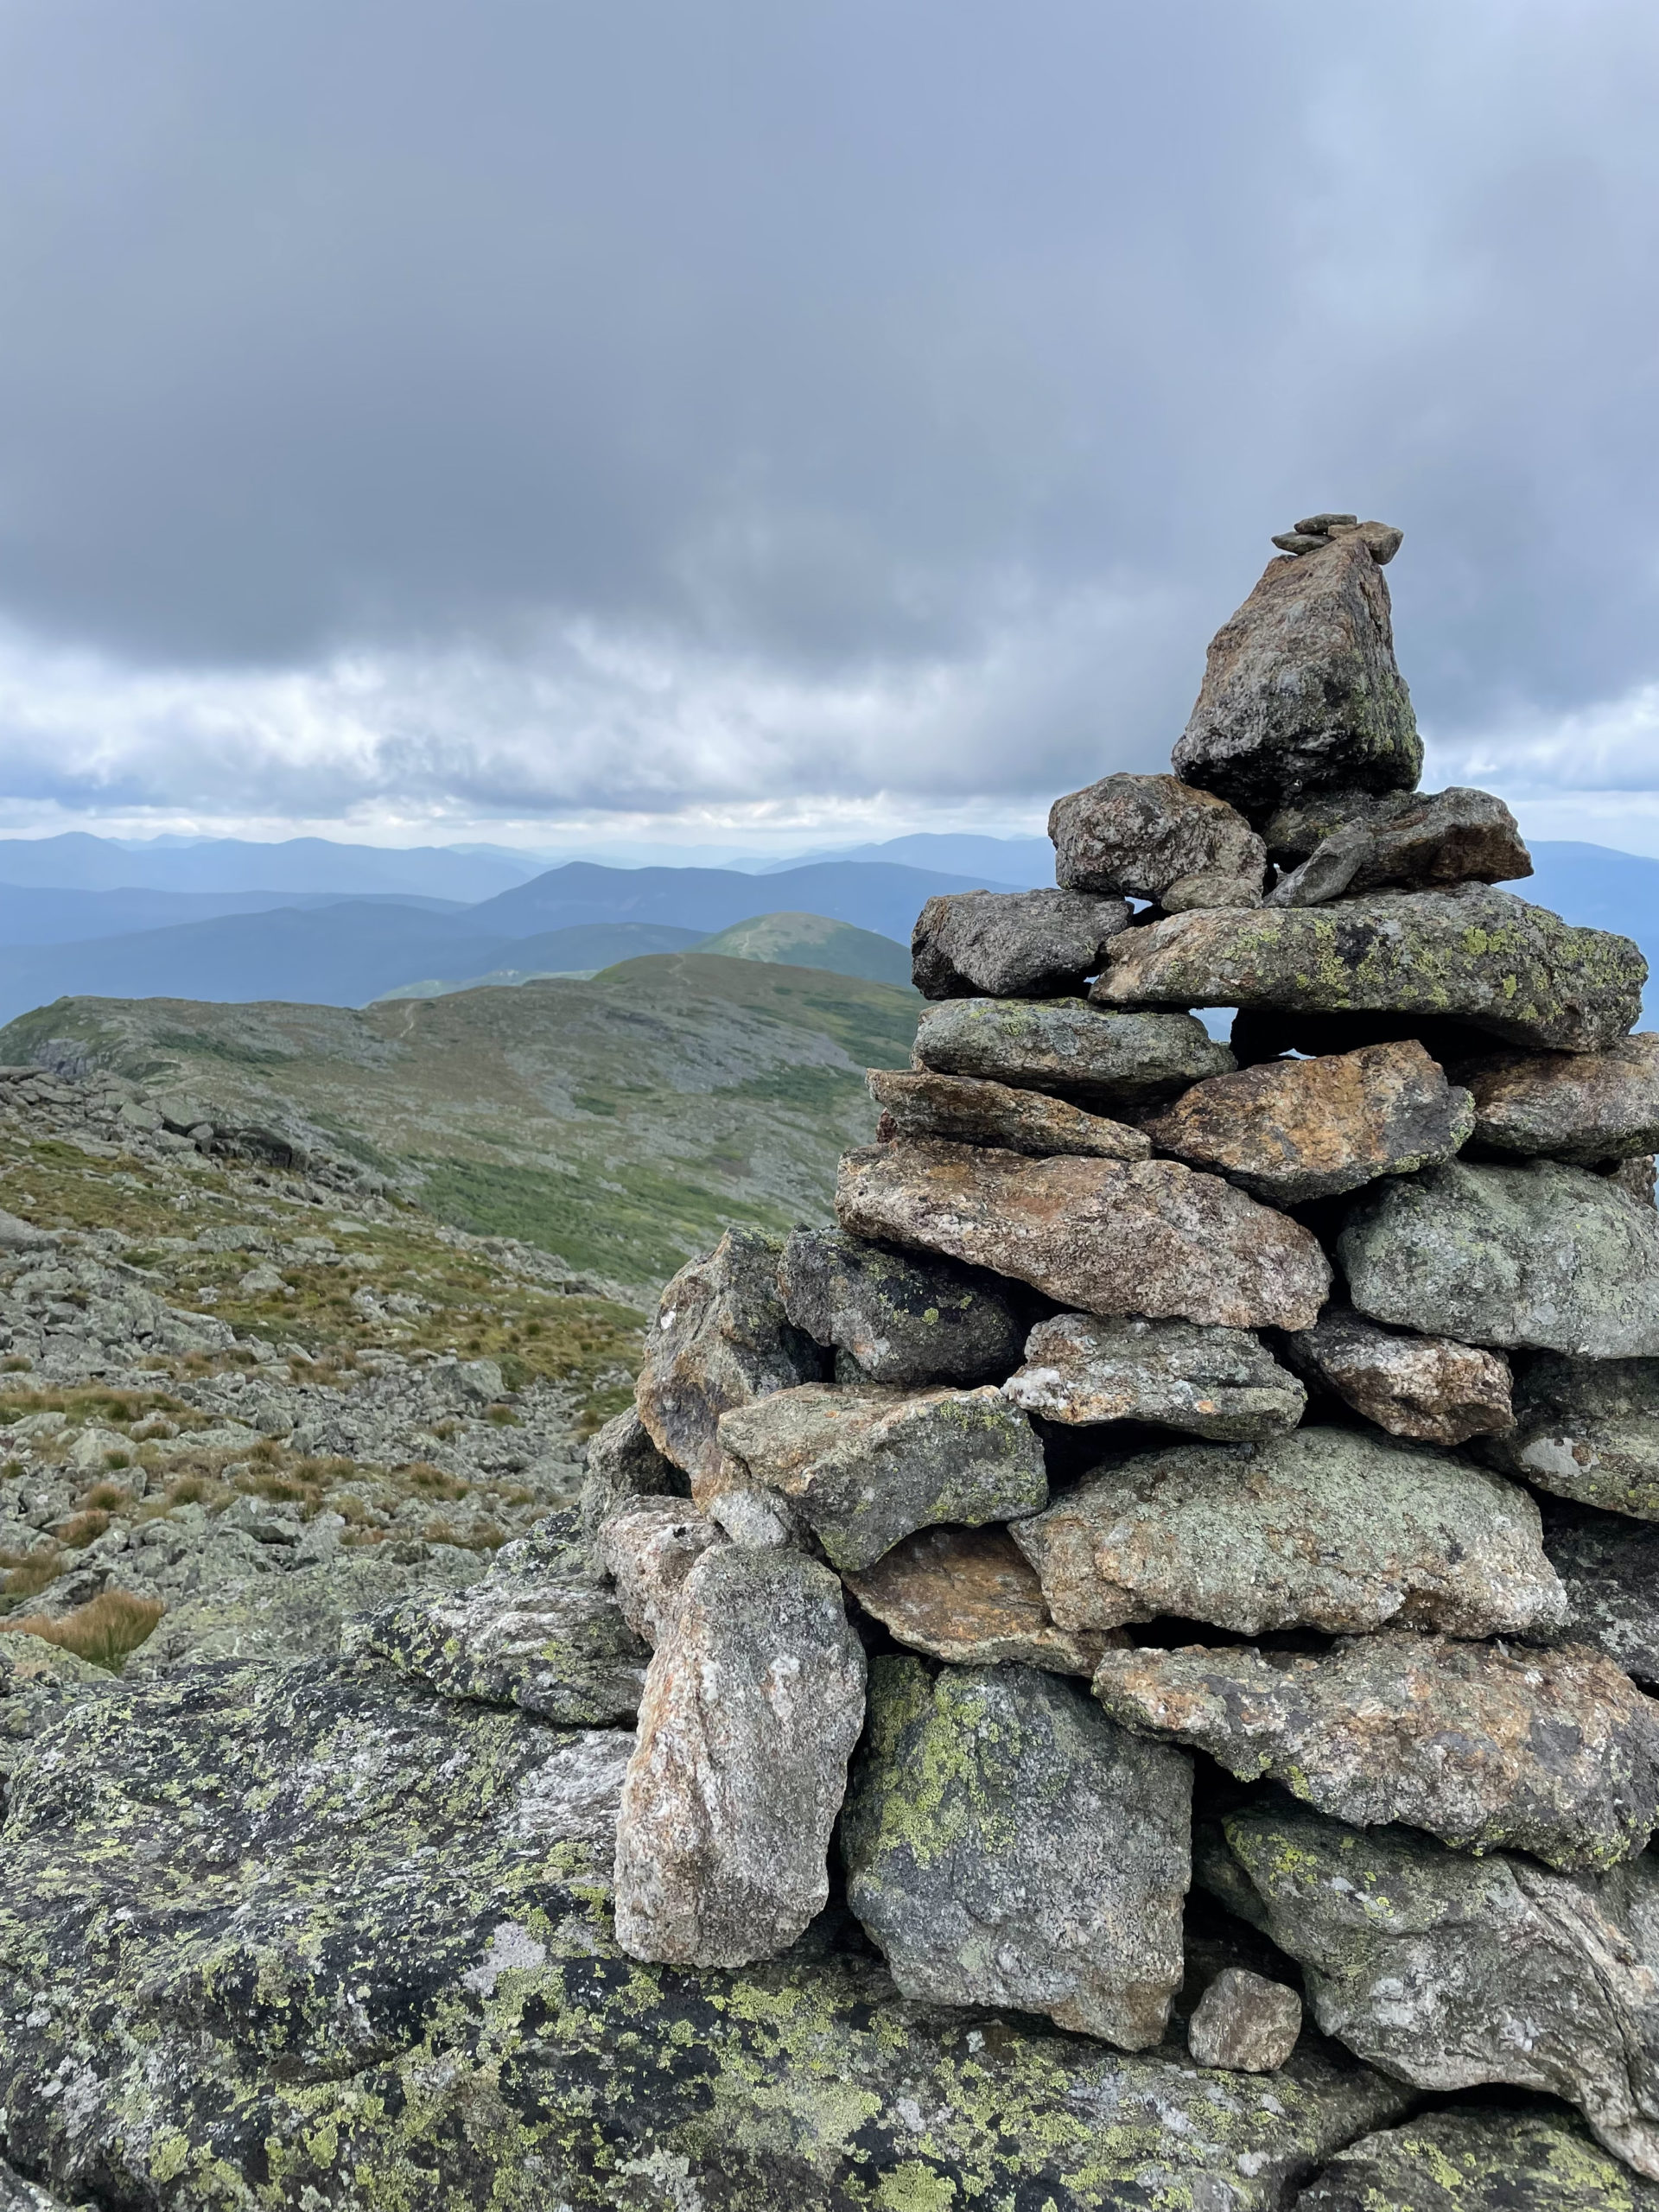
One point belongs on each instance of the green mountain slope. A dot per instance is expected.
(813, 941)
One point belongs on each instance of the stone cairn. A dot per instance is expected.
(1190, 1464)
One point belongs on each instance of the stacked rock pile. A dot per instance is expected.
(1188, 1462)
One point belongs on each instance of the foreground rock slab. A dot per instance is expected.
(1326, 1529)
(966, 1110)
(1220, 1383)
(1541, 1255)
(901, 1319)
(1012, 944)
(1348, 842)
(1574, 1106)
(1610, 1570)
(1291, 1130)
(1483, 1746)
(969, 1596)
(1149, 1238)
(1426, 1388)
(1588, 1430)
(1245, 2022)
(1006, 1845)
(1473, 956)
(753, 1703)
(1094, 1058)
(1156, 838)
(1479, 2159)
(865, 1467)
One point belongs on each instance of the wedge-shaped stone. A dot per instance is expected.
(969, 1596)
(1588, 1430)
(966, 1110)
(1541, 1255)
(1220, 1383)
(623, 1466)
(1479, 2159)
(1005, 1844)
(1291, 1130)
(1485, 1745)
(1148, 1237)
(1327, 1529)
(1575, 1106)
(1156, 838)
(1610, 1570)
(1301, 691)
(901, 1319)
(720, 1337)
(864, 1467)
(1448, 1970)
(1426, 1388)
(1353, 841)
(753, 1705)
(1470, 955)
(1013, 945)
(1060, 1044)
(648, 1550)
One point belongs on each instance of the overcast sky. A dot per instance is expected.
(429, 421)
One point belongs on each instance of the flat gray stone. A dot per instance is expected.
(1094, 1059)
(902, 1319)
(1012, 944)
(1156, 837)
(1574, 1106)
(1351, 842)
(1479, 2159)
(1220, 1383)
(1430, 1388)
(966, 1110)
(1586, 1429)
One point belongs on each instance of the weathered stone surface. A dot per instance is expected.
(1156, 838)
(966, 1110)
(1540, 1256)
(1479, 2159)
(1588, 1430)
(1013, 945)
(1610, 1571)
(648, 1551)
(1291, 1130)
(1325, 1528)
(1427, 1387)
(1449, 1970)
(754, 1700)
(1245, 2022)
(1006, 1845)
(1145, 1237)
(1485, 1745)
(720, 1339)
(1301, 691)
(1355, 842)
(1469, 953)
(1061, 1045)
(1221, 1383)
(1314, 532)
(1575, 1106)
(864, 1467)
(901, 1319)
(623, 1464)
(969, 1596)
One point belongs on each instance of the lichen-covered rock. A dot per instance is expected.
(969, 1596)
(720, 1338)
(1587, 1429)
(1291, 1130)
(865, 1466)
(1093, 1059)
(1220, 1383)
(753, 1703)
(1301, 691)
(1427, 1387)
(966, 1110)
(1156, 838)
(1485, 1746)
(1005, 1844)
(1349, 842)
(901, 1319)
(623, 1464)
(1541, 1256)
(1326, 1529)
(1610, 1570)
(1244, 2023)
(1146, 1236)
(1469, 955)
(1479, 2159)
(648, 1550)
(1449, 1970)
(1574, 1106)
(17, 2195)
(1011, 944)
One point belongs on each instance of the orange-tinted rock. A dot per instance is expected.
(966, 1110)
(1430, 1387)
(969, 1596)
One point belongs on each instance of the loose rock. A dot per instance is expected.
(623, 1464)
(648, 1551)
(1155, 838)
(1479, 2159)
(1220, 1383)
(1061, 1045)
(1012, 944)
(902, 1320)
(1355, 842)
(1575, 1106)
(963, 1109)
(969, 1596)
(1588, 1430)
(1245, 2022)
(1427, 1387)
(1610, 1571)
(1006, 1845)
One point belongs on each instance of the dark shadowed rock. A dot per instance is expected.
(1290, 1130)
(1479, 2159)
(1221, 1383)
(1353, 841)
(966, 1110)
(720, 1337)
(1061, 1045)
(1157, 838)
(969, 1596)
(1427, 1387)
(648, 1550)
(754, 1702)
(1540, 1256)
(901, 1319)
(1485, 1746)
(1301, 691)
(1326, 1529)
(1268, 1032)
(1470, 955)
(1005, 1844)
(1244, 2023)
(1588, 1430)
(1610, 1570)
(1012, 944)
(623, 1464)
(864, 1467)
(1147, 1237)
(1577, 1106)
